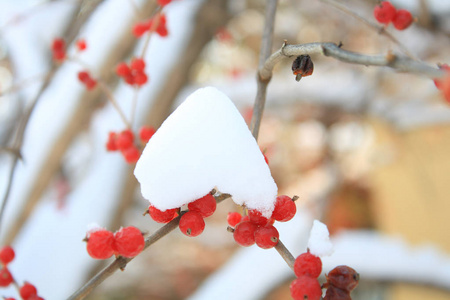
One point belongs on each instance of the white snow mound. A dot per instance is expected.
(203, 144)
(319, 242)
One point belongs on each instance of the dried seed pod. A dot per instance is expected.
(302, 66)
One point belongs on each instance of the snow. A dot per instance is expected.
(319, 242)
(203, 144)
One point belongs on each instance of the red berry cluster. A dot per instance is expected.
(27, 291)
(124, 142)
(126, 242)
(59, 49)
(161, 28)
(133, 74)
(85, 78)
(259, 229)
(444, 83)
(307, 268)
(340, 282)
(386, 13)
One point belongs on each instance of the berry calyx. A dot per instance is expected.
(308, 264)
(284, 210)
(402, 19)
(131, 154)
(129, 241)
(162, 216)
(6, 255)
(100, 244)
(305, 288)
(257, 218)
(5, 277)
(244, 233)
(205, 206)
(384, 12)
(266, 237)
(81, 45)
(192, 223)
(234, 218)
(27, 290)
(125, 139)
(342, 277)
(146, 133)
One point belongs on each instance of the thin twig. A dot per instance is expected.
(399, 63)
(113, 101)
(266, 49)
(156, 17)
(285, 254)
(23, 83)
(380, 29)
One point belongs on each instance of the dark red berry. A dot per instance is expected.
(27, 290)
(81, 45)
(257, 218)
(244, 233)
(146, 133)
(124, 140)
(111, 143)
(384, 12)
(5, 277)
(131, 154)
(100, 244)
(306, 288)
(206, 205)
(234, 218)
(402, 19)
(266, 237)
(192, 223)
(308, 264)
(129, 241)
(284, 210)
(342, 277)
(162, 216)
(6, 255)
(333, 293)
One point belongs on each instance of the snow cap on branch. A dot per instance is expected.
(205, 143)
(319, 242)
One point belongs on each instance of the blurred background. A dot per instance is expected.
(365, 148)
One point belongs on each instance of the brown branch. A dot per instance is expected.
(266, 49)
(285, 254)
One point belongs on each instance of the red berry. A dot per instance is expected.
(266, 159)
(244, 233)
(164, 2)
(5, 277)
(384, 12)
(125, 139)
(284, 210)
(123, 70)
(245, 219)
(161, 29)
(83, 76)
(137, 64)
(146, 133)
(10, 298)
(35, 297)
(308, 264)
(6, 255)
(162, 216)
(100, 244)
(139, 29)
(266, 237)
(206, 205)
(140, 78)
(402, 19)
(58, 45)
(59, 55)
(90, 84)
(305, 288)
(129, 79)
(233, 218)
(27, 290)
(192, 223)
(257, 218)
(343, 277)
(111, 143)
(129, 241)
(81, 45)
(438, 82)
(131, 154)
(333, 293)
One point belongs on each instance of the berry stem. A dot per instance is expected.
(285, 254)
(134, 105)
(156, 15)
(113, 101)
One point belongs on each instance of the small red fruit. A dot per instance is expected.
(58, 45)
(100, 244)
(81, 45)
(305, 288)
(257, 218)
(139, 29)
(206, 205)
(402, 19)
(146, 133)
(111, 143)
(129, 241)
(308, 264)
(342, 277)
(35, 297)
(137, 64)
(123, 70)
(439, 82)
(27, 290)
(244, 233)
(192, 223)
(125, 139)
(162, 216)
(140, 78)
(384, 12)
(5, 277)
(266, 237)
(234, 218)
(285, 209)
(6, 255)
(164, 2)
(131, 154)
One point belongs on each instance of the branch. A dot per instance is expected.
(285, 254)
(399, 63)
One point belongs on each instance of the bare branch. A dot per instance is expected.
(285, 254)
